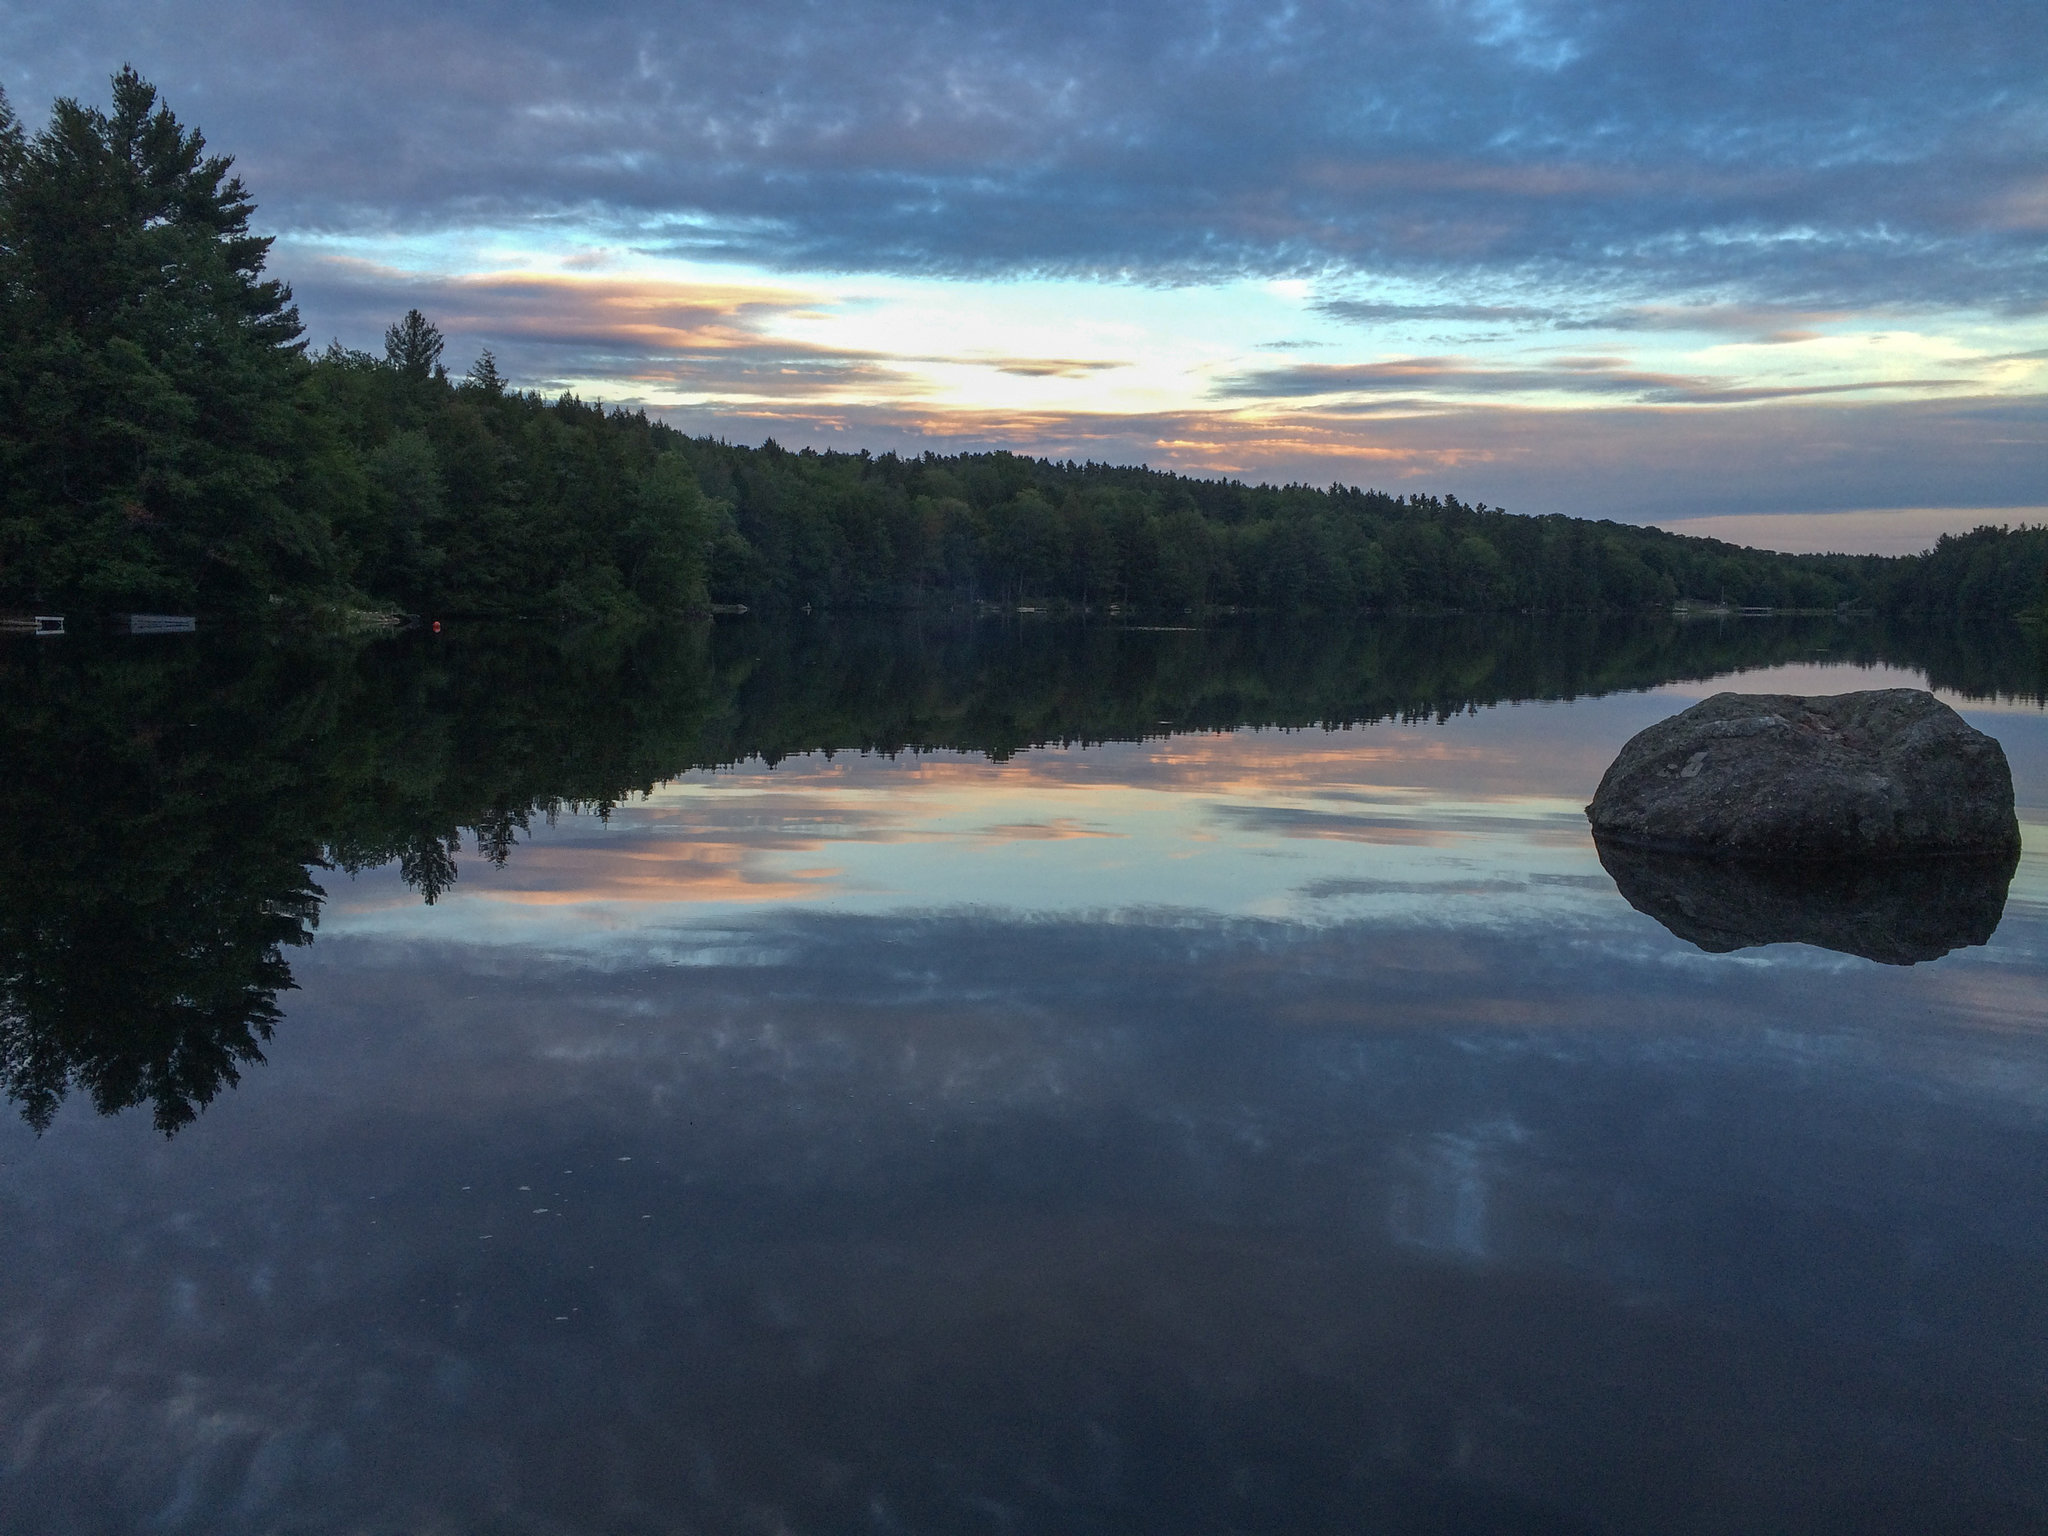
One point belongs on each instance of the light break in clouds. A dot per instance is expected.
(1655, 261)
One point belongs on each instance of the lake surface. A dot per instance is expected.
(883, 1078)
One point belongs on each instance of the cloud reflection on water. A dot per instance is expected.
(1069, 1218)
(1477, 819)
(1240, 821)
(869, 1135)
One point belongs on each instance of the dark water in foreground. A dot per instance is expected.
(1217, 1087)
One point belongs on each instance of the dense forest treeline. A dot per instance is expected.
(168, 804)
(858, 530)
(168, 442)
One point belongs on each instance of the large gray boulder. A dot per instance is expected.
(1890, 774)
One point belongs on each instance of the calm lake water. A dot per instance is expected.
(993, 1080)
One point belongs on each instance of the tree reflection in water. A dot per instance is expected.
(165, 804)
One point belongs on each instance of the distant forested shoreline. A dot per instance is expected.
(168, 441)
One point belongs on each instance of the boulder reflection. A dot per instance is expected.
(1898, 912)
(167, 805)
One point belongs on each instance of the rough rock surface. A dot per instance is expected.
(1897, 912)
(1890, 774)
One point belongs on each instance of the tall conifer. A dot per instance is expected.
(151, 436)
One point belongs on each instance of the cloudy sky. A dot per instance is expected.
(1776, 265)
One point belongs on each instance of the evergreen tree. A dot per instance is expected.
(12, 144)
(150, 433)
(413, 347)
(483, 374)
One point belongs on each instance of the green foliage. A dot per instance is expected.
(479, 501)
(484, 375)
(1989, 572)
(166, 442)
(413, 347)
(855, 530)
(152, 444)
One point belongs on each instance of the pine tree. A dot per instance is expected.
(484, 375)
(12, 144)
(413, 347)
(150, 433)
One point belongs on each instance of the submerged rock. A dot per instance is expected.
(1889, 774)
(1895, 911)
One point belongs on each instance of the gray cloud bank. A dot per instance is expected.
(1847, 152)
